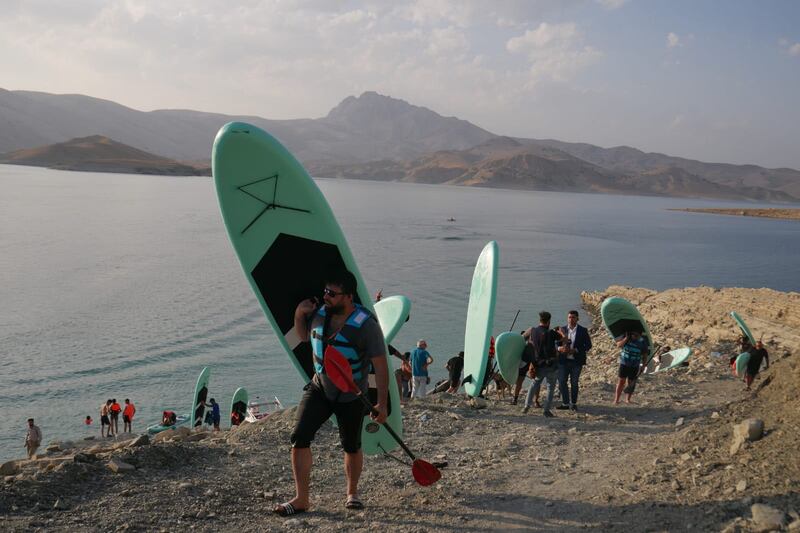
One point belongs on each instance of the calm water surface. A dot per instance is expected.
(126, 286)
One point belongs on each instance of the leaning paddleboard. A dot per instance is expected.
(392, 312)
(741, 364)
(480, 319)
(508, 349)
(200, 397)
(287, 240)
(239, 406)
(743, 327)
(668, 360)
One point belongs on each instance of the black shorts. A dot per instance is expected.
(315, 409)
(104, 420)
(126, 419)
(628, 372)
(114, 416)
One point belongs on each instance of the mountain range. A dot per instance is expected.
(378, 137)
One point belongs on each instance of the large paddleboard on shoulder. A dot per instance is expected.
(508, 349)
(743, 327)
(200, 397)
(392, 312)
(620, 316)
(480, 319)
(287, 240)
(238, 410)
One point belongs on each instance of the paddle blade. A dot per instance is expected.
(338, 370)
(425, 473)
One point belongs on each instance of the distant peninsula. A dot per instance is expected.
(97, 153)
(789, 214)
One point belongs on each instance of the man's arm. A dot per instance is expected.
(382, 383)
(304, 309)
(620, 341)
(588, 343)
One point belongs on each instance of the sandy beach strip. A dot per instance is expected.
(789, 214)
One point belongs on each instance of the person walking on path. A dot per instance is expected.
(757, 354)
(571, 358)
(33, 439)
(634, 350)
(545, 361)
(344, 326)
(420, 360)
(215, 413)
(127, 416)
(105, 420)
(454, 366)
(114, 410)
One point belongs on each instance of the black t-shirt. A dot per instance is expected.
(455, 366)
(756, 357)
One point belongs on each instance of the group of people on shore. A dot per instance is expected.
(109, 417)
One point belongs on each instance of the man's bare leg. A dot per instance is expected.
(353, 463)
(618, 391)
(301, 469)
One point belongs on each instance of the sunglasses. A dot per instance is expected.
(330, 292)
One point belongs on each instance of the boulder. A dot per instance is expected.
(119, 467)
(183, 431)
(750, 430)
(141, 440)
(164, 435)
(766, 518)
(195, 437)
(84, 457)
(53, 447)
(477, 403)
(9, 468)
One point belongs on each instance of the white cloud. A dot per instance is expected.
(612, 4)
(673, 40)
(447, 40)
(794, 50)
(555, 52)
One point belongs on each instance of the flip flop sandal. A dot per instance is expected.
(353, 503)
(287, 509)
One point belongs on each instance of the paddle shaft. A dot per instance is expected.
(515, 320)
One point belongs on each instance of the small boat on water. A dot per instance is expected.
(257, 410)
(169, 420)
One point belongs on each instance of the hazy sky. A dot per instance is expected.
(711, 80)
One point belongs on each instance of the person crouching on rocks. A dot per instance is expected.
(342, 325)
(757, 355)
(634, 349)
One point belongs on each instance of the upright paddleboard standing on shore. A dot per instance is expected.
(508, 350)
(620, 316)
(287, 241)
(480, 319)
(239, 406)
(199, 398)
(392, 312)
(743, 327)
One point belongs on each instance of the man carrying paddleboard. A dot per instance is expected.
(343, 326)
(757, 354)
(634, 350)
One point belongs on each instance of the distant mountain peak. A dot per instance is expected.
(371, 103)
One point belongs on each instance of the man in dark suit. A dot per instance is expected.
(571, 358)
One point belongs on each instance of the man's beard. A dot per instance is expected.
(334, 309)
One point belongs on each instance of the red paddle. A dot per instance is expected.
(338, 370)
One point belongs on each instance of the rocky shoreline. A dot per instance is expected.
(776, 212)
(671, 461)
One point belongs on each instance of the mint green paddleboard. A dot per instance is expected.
(200, 397)
(392, 312)
(508, 350)
(741, 364)
(620, 316)
(287, 240)
(668, 360)
(480, 319)
(239, 406)
(743, 327)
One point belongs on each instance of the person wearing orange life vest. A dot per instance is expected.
(114, 410)
(127, 416)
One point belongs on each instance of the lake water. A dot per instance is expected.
(119, 286)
